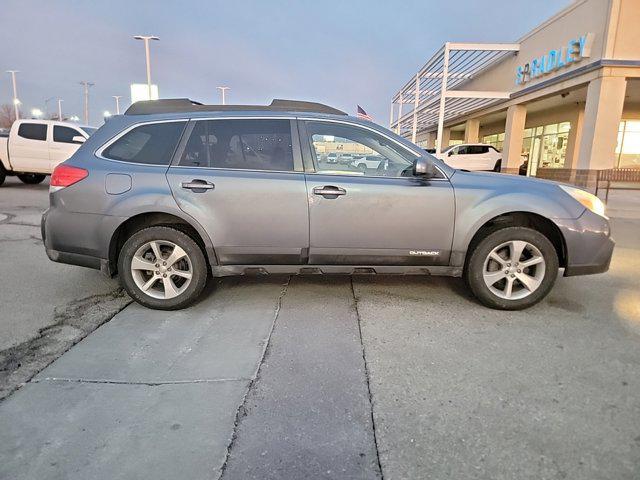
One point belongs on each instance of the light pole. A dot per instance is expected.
(16, 102)
(146, 39)
(86, 86)
(60, 109)
(222, 91)
(117, 97)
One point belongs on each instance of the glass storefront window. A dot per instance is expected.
(496, 140)
(628, 148)
(546, 146)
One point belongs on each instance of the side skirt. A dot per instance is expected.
(234, 270)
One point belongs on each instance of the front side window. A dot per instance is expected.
(151, 144)
(65, 134)
(350, 150)
(252, 144)
(33, 131)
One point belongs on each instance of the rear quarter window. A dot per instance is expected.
(151, 144)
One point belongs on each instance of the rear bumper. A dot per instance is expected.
(78, 238)
(588, 243)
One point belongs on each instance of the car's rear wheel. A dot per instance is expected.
(3, 174)
(162, 268)
(512, 268)
(498, 166)
(31, 178)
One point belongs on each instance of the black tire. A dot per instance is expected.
(31, 178)
(498, 166)
(474, 268)
(199, 269)
(3, 174)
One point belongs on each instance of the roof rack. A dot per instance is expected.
(177, 105)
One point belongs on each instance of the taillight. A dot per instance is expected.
(66, 175)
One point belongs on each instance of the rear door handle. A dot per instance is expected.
(198, 186)
(329, 190)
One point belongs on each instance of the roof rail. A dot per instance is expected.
(177, 105)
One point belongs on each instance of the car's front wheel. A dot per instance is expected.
(31, 178)
(512, 268)
(162, 268)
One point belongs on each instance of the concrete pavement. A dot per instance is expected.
(46, 306)
(148, 395)
(403, 377)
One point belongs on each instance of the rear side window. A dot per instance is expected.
(151, 144)
(33, 131)
(65, 134)
(240, 144)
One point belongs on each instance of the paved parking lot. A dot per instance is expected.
(331, 377)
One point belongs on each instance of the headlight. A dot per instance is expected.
(590, 201)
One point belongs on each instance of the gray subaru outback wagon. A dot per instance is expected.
(173, 191)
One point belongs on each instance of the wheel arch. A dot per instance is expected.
(153, 219)
(531, 220)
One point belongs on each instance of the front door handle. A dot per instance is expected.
(198, 186)
(329, 191)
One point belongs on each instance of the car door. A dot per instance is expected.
(62, 145)
(381, 216)
(457, 157)
(28, 149)
(479, 158)
(243, 180)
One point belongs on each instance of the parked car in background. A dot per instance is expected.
(366, 162)
(167, 193)
(33, 148)
(472, 156)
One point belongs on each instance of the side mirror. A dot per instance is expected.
(424, 168)
(450, 153)
(78, 139)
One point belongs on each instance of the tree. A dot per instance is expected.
(7, 115)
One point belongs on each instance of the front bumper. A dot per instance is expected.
(588, 242)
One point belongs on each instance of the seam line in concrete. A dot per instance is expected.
(366, 374)
(256, 375)
(126, 382)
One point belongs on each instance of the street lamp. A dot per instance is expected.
(222, 91)
(16, 102)
(146, 39)
(60, 109)
(117, 97)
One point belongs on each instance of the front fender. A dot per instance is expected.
(481, 198)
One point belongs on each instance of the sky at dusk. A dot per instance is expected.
(341, 53)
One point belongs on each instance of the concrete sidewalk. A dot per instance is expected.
(149, 395)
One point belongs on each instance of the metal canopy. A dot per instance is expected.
(435, 95)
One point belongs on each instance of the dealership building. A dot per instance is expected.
(565, 97)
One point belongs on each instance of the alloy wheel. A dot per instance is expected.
(514, 270)
(161, 269)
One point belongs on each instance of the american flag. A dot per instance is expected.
(363, 115)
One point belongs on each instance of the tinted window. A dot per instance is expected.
(64, 134)
(240, 144)
(477, 149)
(151, 144)
(350, 150)
(33, 131)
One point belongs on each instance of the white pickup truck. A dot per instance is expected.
(34, 147)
